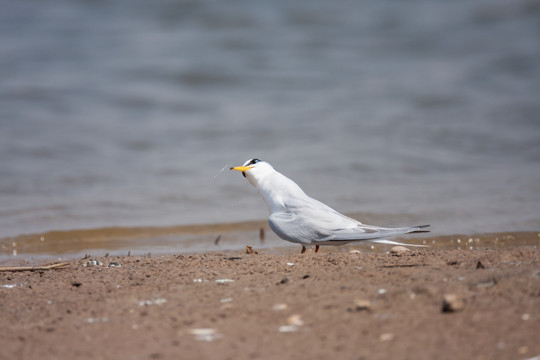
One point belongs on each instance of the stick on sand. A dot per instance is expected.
(34, 268)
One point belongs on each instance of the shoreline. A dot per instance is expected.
(427, 303)
(205, 238)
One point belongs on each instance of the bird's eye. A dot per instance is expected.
(254, 161)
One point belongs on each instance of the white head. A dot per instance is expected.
(275, 188)
(254, 170)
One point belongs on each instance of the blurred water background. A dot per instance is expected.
(123, 112)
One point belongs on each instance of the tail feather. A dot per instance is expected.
(418, 229)
(390, 242)
(380, 233)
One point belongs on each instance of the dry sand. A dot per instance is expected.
(278, 304)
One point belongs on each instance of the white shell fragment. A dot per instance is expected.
(294, 322)
(224, 281)
(157, 301)
(288, 328)
(92, 262)
(205, 334)
(279, 307)
(97, 320)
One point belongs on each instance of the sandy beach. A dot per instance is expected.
(348, 302)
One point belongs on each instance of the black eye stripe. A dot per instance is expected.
(251, 162)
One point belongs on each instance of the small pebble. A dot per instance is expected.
(362, 305)
(387, 337)
(114, 264)
(452, 303)
(399, 251)
(381, 291)
(290, 264)
(295, 320)
(525, 317)
(249, 250)
(486, 284)
(354, 252)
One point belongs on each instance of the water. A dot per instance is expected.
(123, 113)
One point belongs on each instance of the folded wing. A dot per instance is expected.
(307, 220)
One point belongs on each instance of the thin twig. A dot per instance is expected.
(34, 268)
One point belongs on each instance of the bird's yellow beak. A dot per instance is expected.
(241, 168)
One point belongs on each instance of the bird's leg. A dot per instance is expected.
(303, 249)
(316, 248)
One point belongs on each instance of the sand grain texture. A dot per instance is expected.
(277, 305)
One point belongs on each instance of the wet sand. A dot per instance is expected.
(347, 302)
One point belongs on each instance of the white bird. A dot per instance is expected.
(298, 218)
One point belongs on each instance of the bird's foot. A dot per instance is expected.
(303, 250)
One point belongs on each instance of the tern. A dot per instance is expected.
(298, 218)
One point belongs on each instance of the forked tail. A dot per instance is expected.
(418, 229)
(411, 230)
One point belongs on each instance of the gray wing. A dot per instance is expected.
(310, 221)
